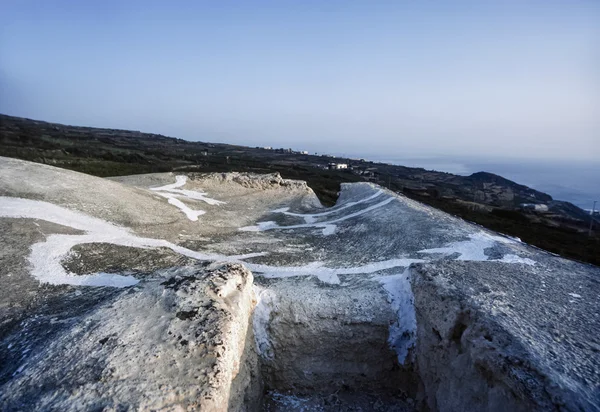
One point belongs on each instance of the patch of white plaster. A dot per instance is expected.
(46, 257)
(311, 217)
(172, 191)
(326, 274)
(515, 259)
(327, 227)
(472, 249)
(266, 302)
(402, 337)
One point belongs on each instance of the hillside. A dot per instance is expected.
(484, 198)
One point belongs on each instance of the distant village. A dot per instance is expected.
(358, 167)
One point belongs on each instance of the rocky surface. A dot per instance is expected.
(250, 180)
(141, 289)
(486, 341)
(177, 341)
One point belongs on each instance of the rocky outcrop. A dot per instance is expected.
(254, 181)
(180, 342)
(485, 348)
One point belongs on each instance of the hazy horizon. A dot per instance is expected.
(513, 80)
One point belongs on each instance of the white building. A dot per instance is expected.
(536, 207)
(337, 166)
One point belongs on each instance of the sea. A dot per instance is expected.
(571, 181)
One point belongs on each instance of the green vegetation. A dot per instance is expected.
(561, 239)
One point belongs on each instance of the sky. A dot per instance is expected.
(514, 79)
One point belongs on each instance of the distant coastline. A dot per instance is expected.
(578, 183)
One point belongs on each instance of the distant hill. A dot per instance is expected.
(525, 193)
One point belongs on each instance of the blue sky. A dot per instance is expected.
(467, 78)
